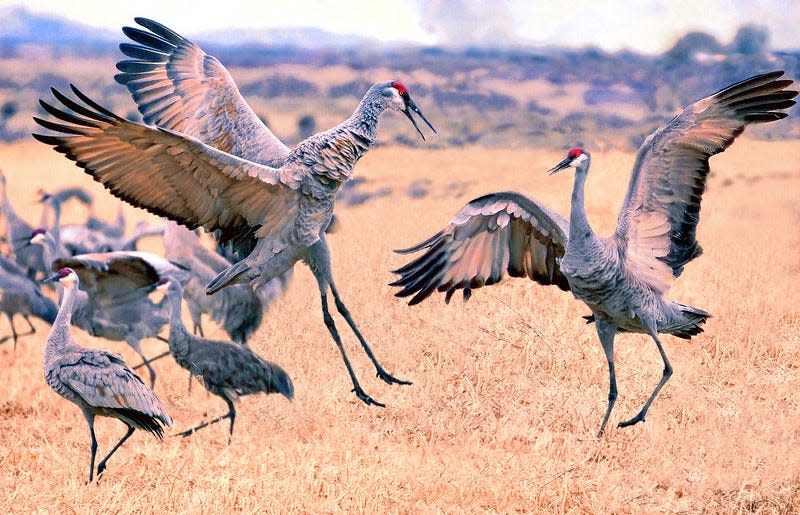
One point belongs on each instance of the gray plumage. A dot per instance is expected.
(21, 295)
(97, 380)
(226, 369)
(17, 231)
(90, 237)
(211, 163)
(113, 301)
(621, 278)
(237, 309)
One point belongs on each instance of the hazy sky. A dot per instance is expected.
(649, 26)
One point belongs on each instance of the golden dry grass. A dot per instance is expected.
(509, 388)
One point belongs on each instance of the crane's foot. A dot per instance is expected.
(638, 418)
(186, 433)
(389, 378)
(366, 399)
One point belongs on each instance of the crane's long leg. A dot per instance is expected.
(13, 331)
(319, 261)
(606, 332)
(93, 448)
(231, 414)
(360, 393)
(381, 372)
(154, 358)
(28, 320)
(102, 466)
(136, 345)
(664, 378)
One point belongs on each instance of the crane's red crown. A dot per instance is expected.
(38, 231)
(575, 152)
(162, 282)
(64, 272)
(400, 88)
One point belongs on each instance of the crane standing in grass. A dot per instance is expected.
(210, 162)
(622, 278)
(97, 380)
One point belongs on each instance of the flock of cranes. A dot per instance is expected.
(202, 158)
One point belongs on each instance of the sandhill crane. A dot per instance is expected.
(621, 278)
(97, 380)
(237, 309)
(17, 230)
(113, 301)
(20, 295)
(227, 369)
(211, 162)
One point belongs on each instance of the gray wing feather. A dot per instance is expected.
(102, 380)
(661, 210)
(177, 86)
(492, 235)
(173, 175)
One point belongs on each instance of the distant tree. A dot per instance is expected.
(751, 40)
(306, 126)
(8, 110)
(692, 43)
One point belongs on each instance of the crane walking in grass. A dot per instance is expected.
(228, 370)
(97, 380)
(209, 162)
(622, 278)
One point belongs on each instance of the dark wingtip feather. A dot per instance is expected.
(419, 246)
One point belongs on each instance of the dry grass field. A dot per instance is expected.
(509, 388)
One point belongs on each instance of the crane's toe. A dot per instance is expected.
(638, 418)
(366, 399)
(390, 379)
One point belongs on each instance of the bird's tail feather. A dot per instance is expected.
(690, 322)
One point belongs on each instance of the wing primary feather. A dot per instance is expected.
(419, 246)
(144, 53)
(148, 39)
(159, 30)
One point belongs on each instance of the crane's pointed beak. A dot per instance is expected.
(560, 166)
(411, 106)
(51, 279)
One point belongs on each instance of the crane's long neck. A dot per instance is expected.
(59, 337)
(49, 247)
(177, 330)
(333, 153)
(580, 232)
(55, 230)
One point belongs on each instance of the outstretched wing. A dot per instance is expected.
(172, 175)
(113, 278)
(660, 213)
(179, 87)
(492, 235)
(103, 380)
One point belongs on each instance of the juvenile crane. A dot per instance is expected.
(97, 380)
(237, 309)
(227, 369)
(622, 278)
(210, 162)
